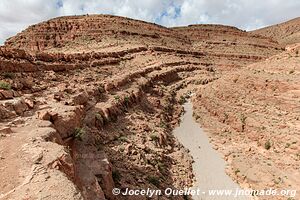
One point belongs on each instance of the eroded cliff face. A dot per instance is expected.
(90, 102)
(76, 32)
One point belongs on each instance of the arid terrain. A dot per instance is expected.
(89, 103)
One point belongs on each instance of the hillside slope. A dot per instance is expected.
(285, 33)
(93, 32)
(253, 117)
(91, 102)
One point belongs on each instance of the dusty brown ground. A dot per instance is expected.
(88, 103)
(285, 33)
(253, 118)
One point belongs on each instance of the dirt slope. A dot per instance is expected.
(253, 116)
(92, 101)
(285, 33)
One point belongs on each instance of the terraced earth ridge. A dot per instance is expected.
(88, 103)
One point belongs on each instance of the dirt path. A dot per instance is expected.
(209, 167)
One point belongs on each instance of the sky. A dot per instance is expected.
(16, 15)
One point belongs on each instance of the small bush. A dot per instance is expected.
(9, 75)
(116, 175)
(117, 97)
(154, 137)
(161, 166)
(163, 125)
(126, 99)
(99, 118)
(268, 145)
(153, 180)
(287, 145)
(101, 89)
(5, 86)
(185, 197)
(243, 118)
(123, 139)
(122, 149)
(182, 100)
(78, 133)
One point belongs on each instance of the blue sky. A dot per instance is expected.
(16, 15)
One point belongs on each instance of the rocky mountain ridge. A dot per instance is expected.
(92, 100)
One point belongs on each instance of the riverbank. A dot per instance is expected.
(208, 166)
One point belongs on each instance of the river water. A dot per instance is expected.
(209, 167)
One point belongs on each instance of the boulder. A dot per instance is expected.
(81, 99)
(7, 94)
(20, 107)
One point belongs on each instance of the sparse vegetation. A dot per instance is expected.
(78, 133)
(123, 139)
(161, 166)
(154, 137)
(117, 98)
(163, 125)
(130, 78)
(121, 149)
(5, 86)
(126, 99)
(153, 180)
(9, 75)
(182, 100)
(116, 175)
(101, 89)
(99, 118)
(278, 180)
(268, 145)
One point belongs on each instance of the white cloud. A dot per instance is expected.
(15, 15)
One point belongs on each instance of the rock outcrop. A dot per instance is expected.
(89, 103)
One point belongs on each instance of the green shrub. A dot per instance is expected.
(163, 125)
(5, 86)
(117, 97)
(182, 100)
(116, 175)
(126, 99)
(123, 139)
(153, 180)
(9, 75)
(154, 137)
(268, 145)
(78, 133)
(161, 166)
